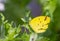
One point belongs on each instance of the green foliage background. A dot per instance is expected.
(14, 21)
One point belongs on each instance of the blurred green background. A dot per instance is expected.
(17, 9)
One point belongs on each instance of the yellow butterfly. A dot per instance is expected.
(40, 23)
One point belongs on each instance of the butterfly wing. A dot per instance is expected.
(39, 24)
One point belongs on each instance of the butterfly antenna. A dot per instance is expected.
(45, 18)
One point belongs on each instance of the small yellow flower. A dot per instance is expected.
(40, 23)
